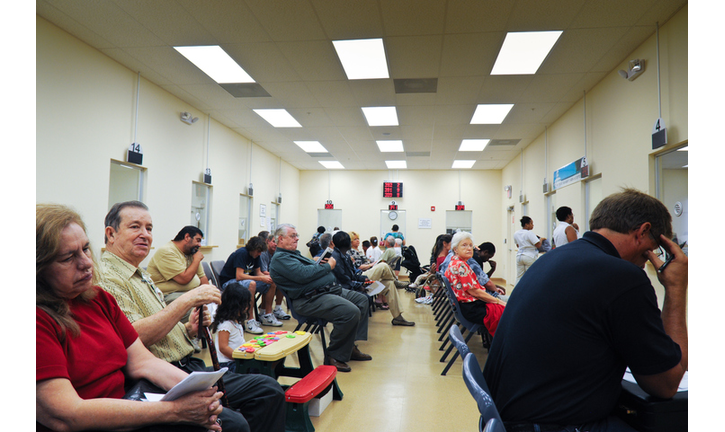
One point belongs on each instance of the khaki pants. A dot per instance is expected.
(382, 273)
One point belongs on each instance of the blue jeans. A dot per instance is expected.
(261, 287)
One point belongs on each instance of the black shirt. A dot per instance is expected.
(577, 318)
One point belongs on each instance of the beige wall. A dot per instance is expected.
(359, 195)
(620, 115)
(85, 117)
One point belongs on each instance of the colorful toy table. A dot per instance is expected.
(266, 354)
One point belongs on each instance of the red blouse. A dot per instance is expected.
(462, 278)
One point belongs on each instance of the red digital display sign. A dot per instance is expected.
(392, 190)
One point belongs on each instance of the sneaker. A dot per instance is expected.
(279, 313)
(413, 285)
(421, 300)
(270, 320)
(253, 327)
(428, 300)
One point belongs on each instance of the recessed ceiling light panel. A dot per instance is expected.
(278, 118)
(387, 146)
(362, 58)
(523, 52)
(381, 116)
(463, 164)
(311, 146)
(476, 145)
(491, 113)
(215, 62)
(396, 164)
(332, 164)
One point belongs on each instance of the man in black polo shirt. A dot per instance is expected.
(583, 314)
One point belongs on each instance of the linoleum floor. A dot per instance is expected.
(401, 389)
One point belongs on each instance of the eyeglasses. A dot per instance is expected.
(294, 236)
(660, 251)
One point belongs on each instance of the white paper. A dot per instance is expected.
(375, 288)
(683, 383)
(195, 381)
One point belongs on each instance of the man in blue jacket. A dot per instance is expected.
(314, 292)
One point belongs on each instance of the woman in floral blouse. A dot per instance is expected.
(475, 303)
(361, 262)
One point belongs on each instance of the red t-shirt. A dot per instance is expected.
(94, 360)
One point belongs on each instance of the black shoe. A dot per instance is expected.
(341, 366)
(359, 356)
(400, 321)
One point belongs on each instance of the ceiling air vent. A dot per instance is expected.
(244, 90)
(421, 154)
(319, 155)
(503, 142)
(416, 85)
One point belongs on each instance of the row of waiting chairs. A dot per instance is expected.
(446, 310)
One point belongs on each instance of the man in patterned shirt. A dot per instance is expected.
(259, 398)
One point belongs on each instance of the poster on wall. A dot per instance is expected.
(571, 173)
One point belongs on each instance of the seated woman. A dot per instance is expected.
(428, 280)
(361, 261)
(475, 303)
(86, 348)
(345, 273)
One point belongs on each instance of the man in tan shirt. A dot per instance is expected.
(176, 267)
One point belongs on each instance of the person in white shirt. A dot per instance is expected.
(528, 244)
(566, 231)
(228, 325)
(374, 252)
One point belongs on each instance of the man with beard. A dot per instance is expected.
(176, 267)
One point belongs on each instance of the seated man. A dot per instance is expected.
(484, 253)
(176, 267)
(264, 261)
(314, 292)
(583, 314)
(347, 277)
(259, 399)
(325, 242)
(243, 266)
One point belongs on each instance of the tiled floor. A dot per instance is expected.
(401, 389)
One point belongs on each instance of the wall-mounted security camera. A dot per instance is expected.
(634, 69)
(188, 118)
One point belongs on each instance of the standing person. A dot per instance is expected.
(86, 348)
(314, 292)
(176, 267)
(228, 325)
(314, 243)
(566, 230)
(528, 244)
(396, 234)
(596, 298)
(128, 233)
(243, 266)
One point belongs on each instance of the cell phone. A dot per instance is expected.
(668, 259)
(326, 254)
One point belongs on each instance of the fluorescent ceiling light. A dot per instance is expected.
(215, 62)
(311, 146)
(278, 117)
(362, 58)
(463, 164)
(523, 52)
(381, 116)
(473, 144)
(390, 146)
(491, 113)
(685, 148)
(396, 164)
(332, 164)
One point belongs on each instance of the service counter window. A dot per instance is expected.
(201, 209)
(459, 220)
(126, 182)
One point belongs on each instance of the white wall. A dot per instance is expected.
(85, 117)
(620, 115)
